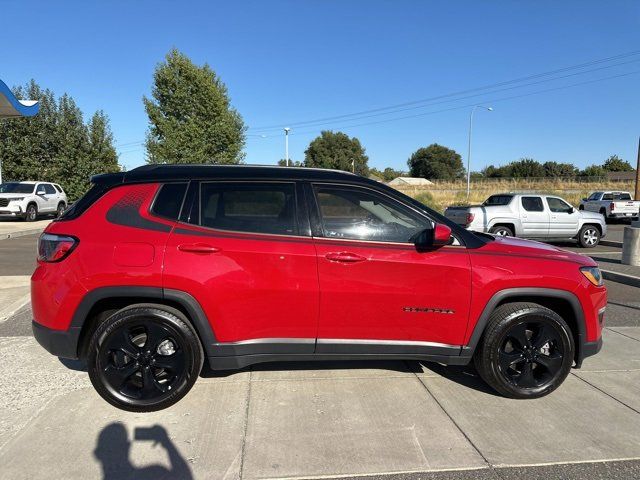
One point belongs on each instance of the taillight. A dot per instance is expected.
(54, 248)
(612, 206)
(470, 217)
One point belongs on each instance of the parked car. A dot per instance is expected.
(27, 200)
(530, 215)
(161, 268)
(612, 204)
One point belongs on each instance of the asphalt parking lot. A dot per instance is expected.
(322, 420)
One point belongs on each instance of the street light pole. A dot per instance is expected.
(490, 109)
(286, 145)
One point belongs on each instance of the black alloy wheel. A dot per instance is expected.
(526, 352)
(531, 354)
(144, 358)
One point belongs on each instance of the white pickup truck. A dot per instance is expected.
(612, 204)
(531, 215)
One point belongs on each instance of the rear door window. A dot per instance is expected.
(249, 207)
(607, 196)
(532, 204)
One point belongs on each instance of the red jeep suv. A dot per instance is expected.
(157, 269)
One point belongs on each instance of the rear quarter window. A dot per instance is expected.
(169, 199)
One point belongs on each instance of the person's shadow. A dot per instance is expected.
(112, 450)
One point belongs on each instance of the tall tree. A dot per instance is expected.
(102, 153)
(526, 168)
(555, 169)
(338, 151)
(616, 164)
(190, 116)
(436, 162)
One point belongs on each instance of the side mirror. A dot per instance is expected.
(40, 192)
(584, 199)
(572, 210)
(429, 238)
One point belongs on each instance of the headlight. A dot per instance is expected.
(16, 199)
(593, 275)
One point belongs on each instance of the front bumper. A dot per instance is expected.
(62, 343)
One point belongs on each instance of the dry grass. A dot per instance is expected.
(443, 194)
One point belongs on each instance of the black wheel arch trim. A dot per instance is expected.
(186, 301)
(582, 350)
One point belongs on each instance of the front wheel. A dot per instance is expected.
(31, 215)
(527, 351)
(144, 358)
(589, 236)
(60, 210)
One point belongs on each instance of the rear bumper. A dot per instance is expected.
(62, 343)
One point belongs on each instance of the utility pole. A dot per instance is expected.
(286, 145)
(638, 174)
(489, 109)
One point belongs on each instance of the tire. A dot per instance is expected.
(134, 376)
(525, 368)
(60, 209)
(31, 215)
(589, 236)
(501, 231)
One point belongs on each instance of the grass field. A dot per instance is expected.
(443, 194)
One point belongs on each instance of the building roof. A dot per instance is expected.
(621, 175)
(413, 181)
(11, 107)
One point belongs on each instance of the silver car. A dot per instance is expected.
(530, 215)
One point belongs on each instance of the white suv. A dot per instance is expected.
(29, 199)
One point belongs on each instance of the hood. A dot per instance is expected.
(519, 247)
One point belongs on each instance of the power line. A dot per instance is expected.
(390, 112)
(300, 132)
(462, 92)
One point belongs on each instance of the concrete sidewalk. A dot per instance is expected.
(10, 228)
(14, 293)
(315, 420)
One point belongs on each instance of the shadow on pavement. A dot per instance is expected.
(112, 451)
(318, 365)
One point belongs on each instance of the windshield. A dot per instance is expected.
(499, 200)
(15, 187)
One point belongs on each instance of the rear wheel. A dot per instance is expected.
(501, 231)
(527, 351)
(589, 236)
(144, 358)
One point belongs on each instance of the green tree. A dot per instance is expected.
(616, 164)
(491, 171)
(292, 163)
(555, 169)
(526, 168)
(102, 153)
(436, 162)
(190, 116)
(338, 151)
(594, 171)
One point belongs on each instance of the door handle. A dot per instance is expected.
(344, 257)
(201, 248)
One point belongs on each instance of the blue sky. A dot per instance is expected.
(286, 62)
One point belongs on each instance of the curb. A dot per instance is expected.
(621, 278)
(610, 243)
(6, 236)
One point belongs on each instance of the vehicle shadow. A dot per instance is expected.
(317, 365)
(463, 375)
(113, 447)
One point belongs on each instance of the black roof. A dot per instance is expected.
(165, 173)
